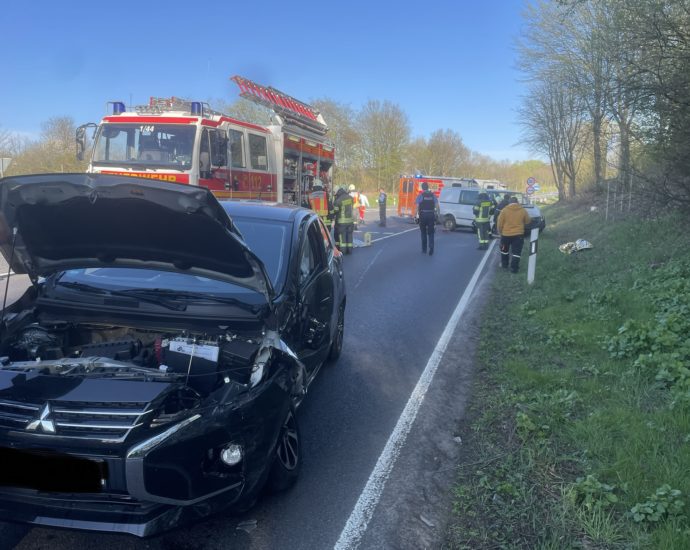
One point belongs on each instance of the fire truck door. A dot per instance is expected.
(213, 159)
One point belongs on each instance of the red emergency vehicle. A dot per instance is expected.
(411, 186)
(184, 141)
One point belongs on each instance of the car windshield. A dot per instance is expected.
(269, 240)
(521, 197)
(155, 145)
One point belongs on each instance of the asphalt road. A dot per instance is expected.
(399, 303)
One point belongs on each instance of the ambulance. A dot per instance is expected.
(184, 141)
(411, 186)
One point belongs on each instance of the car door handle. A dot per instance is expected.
(326, 300)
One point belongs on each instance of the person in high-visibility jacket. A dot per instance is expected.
(511, 225)
(355, 199)
(343, 213)
(482, 219)
(319, 203)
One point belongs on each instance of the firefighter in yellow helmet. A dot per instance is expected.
(482, 219)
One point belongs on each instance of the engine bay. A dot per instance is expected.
(77, 349)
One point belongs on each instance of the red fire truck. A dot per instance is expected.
(184, 141)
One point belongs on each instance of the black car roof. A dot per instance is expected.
(264, 210)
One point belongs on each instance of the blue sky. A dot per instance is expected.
(446, 64)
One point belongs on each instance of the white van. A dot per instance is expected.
(456, 206)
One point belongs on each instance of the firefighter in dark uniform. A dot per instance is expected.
(344, 221)
(426, 209)
(482, 219)
(497, 211)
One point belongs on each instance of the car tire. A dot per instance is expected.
(449, 223)
(337, 343)
(287, 461)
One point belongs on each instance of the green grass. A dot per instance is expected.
(580, 421)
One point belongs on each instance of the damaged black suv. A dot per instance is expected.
(150, 374)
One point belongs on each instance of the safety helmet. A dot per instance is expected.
(318, 186)
(352, 187)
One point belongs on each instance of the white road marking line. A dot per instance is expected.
(394, 234)
(363, 511)
(361, 277)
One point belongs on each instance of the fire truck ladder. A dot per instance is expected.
(290, 109)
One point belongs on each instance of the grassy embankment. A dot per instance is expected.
(579, 431)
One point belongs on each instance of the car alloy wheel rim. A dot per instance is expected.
(340, 330)
(288, 448)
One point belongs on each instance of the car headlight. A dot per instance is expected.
(144, 447)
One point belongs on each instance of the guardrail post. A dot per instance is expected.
(532, 261)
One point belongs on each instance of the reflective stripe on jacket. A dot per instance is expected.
(318, 201)
(482, 211)
(343, 208)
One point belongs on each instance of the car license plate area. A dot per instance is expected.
(51, 471)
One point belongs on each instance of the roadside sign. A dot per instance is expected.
(536, 187)
(530, 190)
(531, 181)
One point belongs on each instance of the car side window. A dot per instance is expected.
(451, 195)
(312, 256)
(469, 197)
(327, 240)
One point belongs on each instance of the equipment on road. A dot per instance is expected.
(178, 140)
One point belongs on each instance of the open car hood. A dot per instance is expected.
(70, 221)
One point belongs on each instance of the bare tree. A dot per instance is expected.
(385, 132)
(341, 120)
(552, 117)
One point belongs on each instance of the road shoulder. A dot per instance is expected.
(414, 508)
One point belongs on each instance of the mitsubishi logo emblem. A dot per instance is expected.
(43, 422)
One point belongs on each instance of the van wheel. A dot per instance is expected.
(449, 223)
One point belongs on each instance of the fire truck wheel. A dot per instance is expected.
(449, 223)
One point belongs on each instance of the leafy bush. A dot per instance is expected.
(591, 493)
(665, 502)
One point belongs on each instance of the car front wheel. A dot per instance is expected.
(337, 343)
(288, 456)
(449, 223)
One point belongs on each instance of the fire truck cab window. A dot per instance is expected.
(212, 151)
(257, 152)
(152, 144)
(236, 148)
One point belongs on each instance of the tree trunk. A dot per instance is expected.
(625, 172)
(598, 164)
